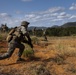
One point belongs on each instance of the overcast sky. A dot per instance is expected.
(37, 12)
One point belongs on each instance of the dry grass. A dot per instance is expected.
(57, 55)
(3, 36)
(63, 45)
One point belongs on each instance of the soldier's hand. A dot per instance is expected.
(31, 45)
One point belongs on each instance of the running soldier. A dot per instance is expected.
(18, 36)
(34, 31)
(44, 34)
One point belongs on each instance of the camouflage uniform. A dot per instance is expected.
(34, 31)
(16, 42)
(4, 28)
(44, 34)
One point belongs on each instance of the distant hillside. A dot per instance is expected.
(69, 24)
(54, 26)
(32, 27)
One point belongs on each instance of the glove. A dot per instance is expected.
(31, 45)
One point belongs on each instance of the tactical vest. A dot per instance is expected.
(9, 37)
(14, 34)
(17, 35)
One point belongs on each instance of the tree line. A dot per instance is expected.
(60, 31)
(50, 31)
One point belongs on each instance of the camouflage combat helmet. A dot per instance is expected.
(24, 23)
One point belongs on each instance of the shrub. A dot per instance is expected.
(35, 40)
(28, 53)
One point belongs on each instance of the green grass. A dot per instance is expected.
(28, 52)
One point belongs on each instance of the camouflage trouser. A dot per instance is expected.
(12, 45)
(45, 38)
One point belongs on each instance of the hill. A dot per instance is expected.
(69, 24)
(54, 26)
(32, 27)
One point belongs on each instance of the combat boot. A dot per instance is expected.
(20, 60)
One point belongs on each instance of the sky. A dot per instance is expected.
(38, 12)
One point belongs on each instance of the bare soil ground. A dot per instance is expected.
(57, 56)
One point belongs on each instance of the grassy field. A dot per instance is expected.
(57, 56)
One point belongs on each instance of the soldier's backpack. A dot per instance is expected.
(15, 33)
(10, 35)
